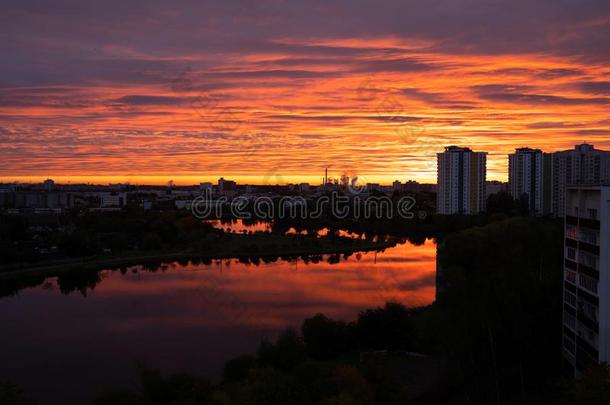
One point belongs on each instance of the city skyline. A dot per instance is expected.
(180, 95)
(277, 178)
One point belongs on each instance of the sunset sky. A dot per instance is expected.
(275, 91)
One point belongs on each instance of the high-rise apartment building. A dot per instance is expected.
(583, 165)
(529, 179)
(586, 309)
(461, 181)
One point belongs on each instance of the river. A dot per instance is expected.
(64, 341)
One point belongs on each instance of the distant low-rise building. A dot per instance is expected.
(495, 187)
(373, 187)
(227, 187)
(205, 187)
(183, 204)
(397, 186)
(113, 200)
(48, 184)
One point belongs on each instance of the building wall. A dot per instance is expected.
(461, 181)
(547, 184)
(526, 178)
(586, 318)
(478, 182)
(604, 276)
(583, 165)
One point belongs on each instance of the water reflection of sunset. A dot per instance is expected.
(195, 317)
(273, 295)
(238, 226)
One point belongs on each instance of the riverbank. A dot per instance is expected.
(227, 246)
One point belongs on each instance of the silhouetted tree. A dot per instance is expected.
(501, 203)
(286, 353)
(325, 338)
(386, 328)
(593, 387)
(11, 394)
(237, 369)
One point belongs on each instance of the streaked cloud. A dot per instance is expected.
(202, 89)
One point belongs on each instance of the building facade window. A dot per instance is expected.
(569, 321)
(590, 310)
(571, 232)
(587, 283)
(589, 260)
(588, 236)
(590, 336)
(570, 299)
(569, 345)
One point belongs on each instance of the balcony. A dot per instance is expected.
(589, 284)
(590, 223)
(586, 295)
(589, 248)
(589, 271)
(588, 322)
(569, 332)
(584, 358)
(569, 346)
(587, 347)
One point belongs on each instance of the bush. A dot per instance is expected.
(237, 369)
(285, 354)
(325, 338)
(386, 328)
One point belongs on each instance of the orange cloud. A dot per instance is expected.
(379, 108)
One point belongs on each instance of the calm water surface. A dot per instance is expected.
(65, 345)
